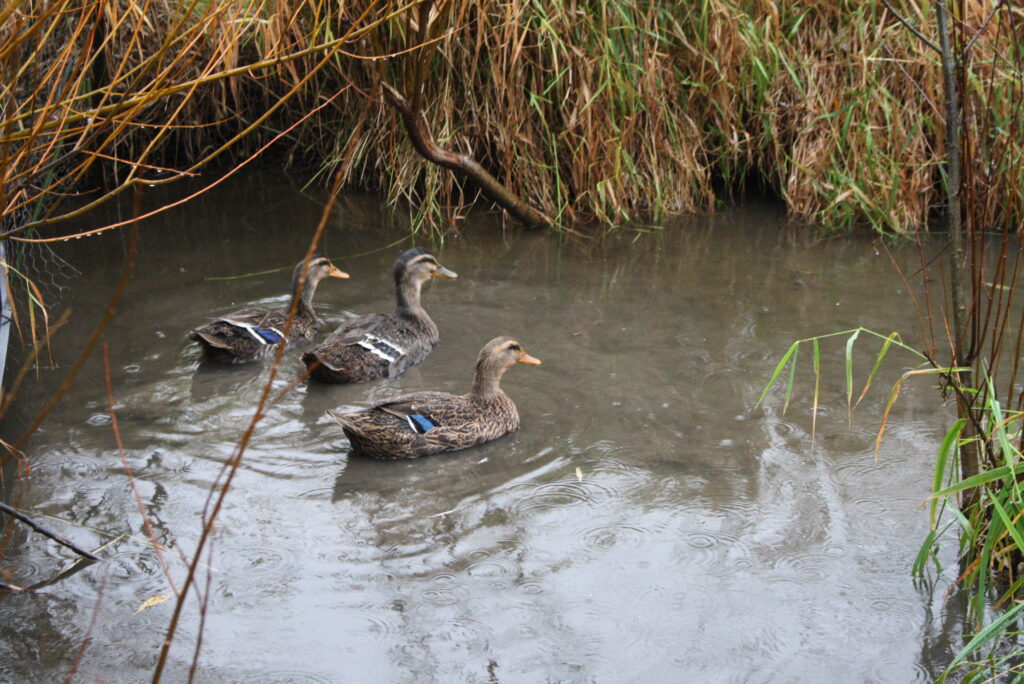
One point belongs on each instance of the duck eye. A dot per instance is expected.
(515, 347)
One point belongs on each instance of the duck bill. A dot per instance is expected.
(528, 360)
(445, 273)
(336, 272)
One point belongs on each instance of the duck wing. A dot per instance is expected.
(243, 332)
(368, 347)
(425, 412)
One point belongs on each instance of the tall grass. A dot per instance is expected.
(599, 109)
(971, 328)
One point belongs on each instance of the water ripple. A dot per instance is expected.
(261, 569)
(371, 622)
(611, 535)
(564, 494)
(711, 549)
(804, 568)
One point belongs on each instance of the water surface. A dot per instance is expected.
(647, 523)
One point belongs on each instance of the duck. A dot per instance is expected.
(375, 346)
(251, 334)
(425, 423)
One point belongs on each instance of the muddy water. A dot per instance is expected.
(647, 523)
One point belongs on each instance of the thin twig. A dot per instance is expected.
(218, 494)
(17, 515)
(981, 29)
(88, 632)
(128, 469)
(911, 27)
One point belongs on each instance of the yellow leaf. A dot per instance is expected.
(150, 602)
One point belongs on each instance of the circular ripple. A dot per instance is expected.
(702, 541)
(370, 622)
(25, 571)
(71, 464)
(806, 568)
(624, 535)
(441, 597)
(530, 587)
(787, 429)
(261, 569)
(900, 670)
(133, 564)
(710, 549)
(491, 568)
(563, 494)
(872, 507)
(467, 633)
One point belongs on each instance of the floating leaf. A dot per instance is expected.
(152, 601)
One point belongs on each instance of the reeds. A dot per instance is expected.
(600, 109)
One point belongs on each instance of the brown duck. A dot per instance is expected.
(431, 422)
(251, 334)
(383, 345)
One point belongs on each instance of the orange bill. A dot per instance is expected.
(443, 272)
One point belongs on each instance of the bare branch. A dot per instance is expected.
(17, 515)
(416, 127)
(981, 29)
(911, 27)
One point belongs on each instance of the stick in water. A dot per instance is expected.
(45, 532)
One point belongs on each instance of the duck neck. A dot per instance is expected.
(407, 294)
(305, 307)
(487, 379)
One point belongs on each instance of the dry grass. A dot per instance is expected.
(607, 109)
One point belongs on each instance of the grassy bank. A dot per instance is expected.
(608, 110)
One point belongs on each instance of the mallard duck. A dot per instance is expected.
(383, 345)
(431, 422)
(251, 334)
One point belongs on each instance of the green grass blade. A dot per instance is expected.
(1007, 523)
(940, 465)
(816, 346)
(990, 631)
(927, 548)
(974, 481)
(792, 380)
(849, 371)
(878, 364)
(778, 371)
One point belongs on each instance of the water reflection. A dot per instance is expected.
(646, 523)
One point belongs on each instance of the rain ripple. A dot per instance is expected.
(711, 549)
(622, 535)
(805, 568)
(564, 494)
(262, 569)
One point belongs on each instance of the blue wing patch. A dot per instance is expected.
(269, 334)
(261, 335)
(420, 424)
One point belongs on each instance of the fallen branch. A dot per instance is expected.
(45, 532)
(416, 127)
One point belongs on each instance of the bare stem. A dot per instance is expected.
(416, 127)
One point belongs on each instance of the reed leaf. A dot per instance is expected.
(945, 450)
